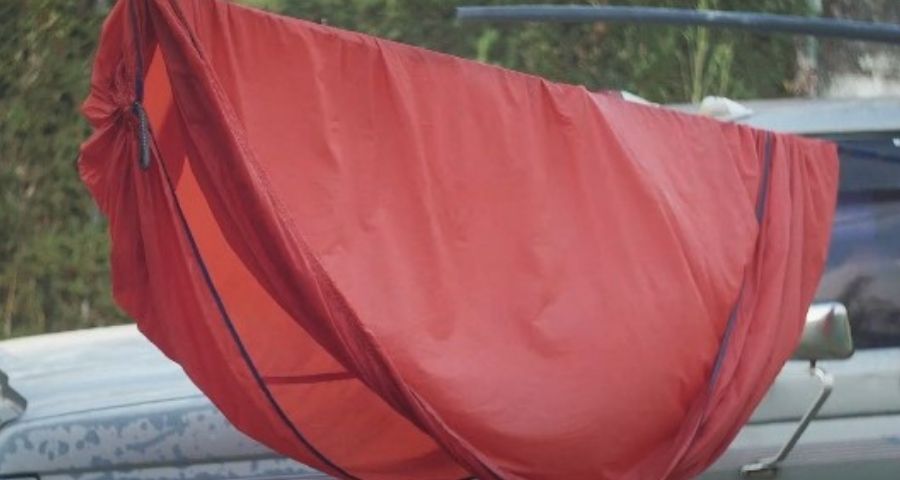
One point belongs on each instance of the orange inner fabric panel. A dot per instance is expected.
(391, 263)
(346, 422)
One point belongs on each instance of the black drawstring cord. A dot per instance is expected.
(137, 108)
(143, 134)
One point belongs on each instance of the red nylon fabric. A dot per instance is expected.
(391, 263)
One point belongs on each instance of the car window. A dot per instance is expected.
(863, 268)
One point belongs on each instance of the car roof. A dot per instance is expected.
(90, 369)
(818, 116)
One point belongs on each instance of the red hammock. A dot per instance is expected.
(390, 263)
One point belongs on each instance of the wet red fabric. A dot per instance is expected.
(390, 263)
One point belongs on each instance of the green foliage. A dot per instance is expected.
(52, 240)
(53, 245)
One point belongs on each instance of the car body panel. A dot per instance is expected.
(843, 448)
(867, 385)
(105, 403)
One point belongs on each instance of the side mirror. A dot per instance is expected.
(826, 336)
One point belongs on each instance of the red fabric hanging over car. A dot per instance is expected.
(390, 263)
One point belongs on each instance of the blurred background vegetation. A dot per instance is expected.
(53, 244)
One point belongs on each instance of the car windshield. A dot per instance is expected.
(863, 269)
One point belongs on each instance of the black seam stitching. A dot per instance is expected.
(761, 202)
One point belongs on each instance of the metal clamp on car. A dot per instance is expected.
(826, 336)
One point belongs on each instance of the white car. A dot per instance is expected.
(105, 404)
